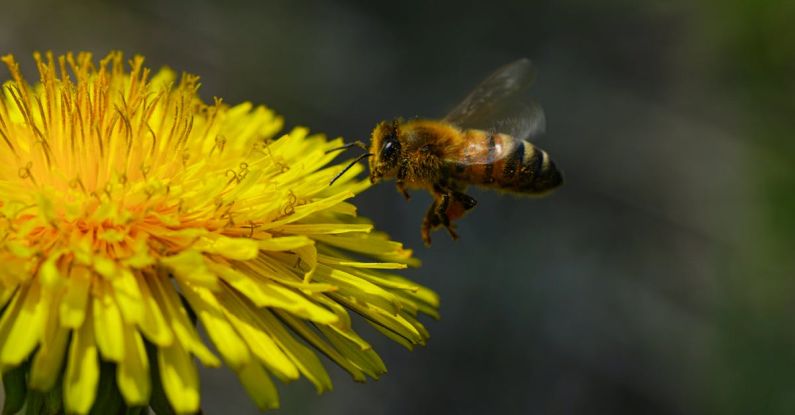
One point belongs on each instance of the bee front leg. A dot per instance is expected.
(401, 181)
(401, 187)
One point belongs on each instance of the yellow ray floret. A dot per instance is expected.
(129, 208)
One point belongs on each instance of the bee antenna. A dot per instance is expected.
(348, 167)
(356, 143)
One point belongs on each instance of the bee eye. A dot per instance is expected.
(390, 150)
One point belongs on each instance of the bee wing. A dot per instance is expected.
(518, 119)
(496, 103)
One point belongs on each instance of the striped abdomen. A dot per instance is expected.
(504, 162)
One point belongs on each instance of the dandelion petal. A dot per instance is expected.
(180, 378)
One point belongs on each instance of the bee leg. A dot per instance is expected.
(443, 215)
(401, 184)
(431, 222)
(401, 187)
(451, 230)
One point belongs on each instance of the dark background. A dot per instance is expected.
(659, 280)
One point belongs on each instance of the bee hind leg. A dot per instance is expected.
(431, 222)
(448, 205)
(444, 215)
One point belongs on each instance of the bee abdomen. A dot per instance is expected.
(528, 169)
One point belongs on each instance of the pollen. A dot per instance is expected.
(132, 212)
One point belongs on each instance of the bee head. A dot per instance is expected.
(385, 146)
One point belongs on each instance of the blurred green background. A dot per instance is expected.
(659, 280)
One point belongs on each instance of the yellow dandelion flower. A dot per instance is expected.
(129, 207)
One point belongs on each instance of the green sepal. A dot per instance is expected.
(15, 388)
(34, 404)
(109, 399)
(53, 399)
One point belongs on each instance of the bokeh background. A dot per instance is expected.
(659, 280)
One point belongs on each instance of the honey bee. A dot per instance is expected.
(481, 142)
